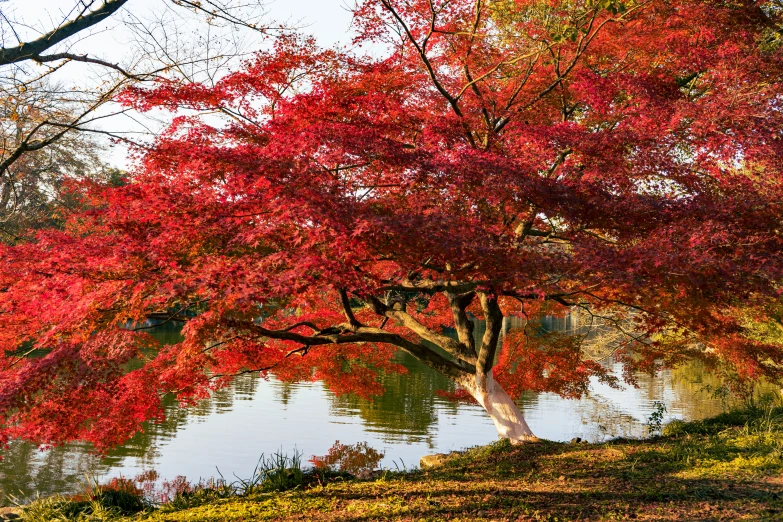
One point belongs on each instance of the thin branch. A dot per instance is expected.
(85, 59)
(421, 49)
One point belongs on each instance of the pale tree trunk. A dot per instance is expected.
(509, 421)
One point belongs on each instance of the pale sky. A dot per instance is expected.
(327, 20)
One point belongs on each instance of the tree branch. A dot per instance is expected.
(462, 323)
(346, 334)
(422, 51)
(28, 50)
(430, 287)
(453, 347)
(346, 303)
(489, 343)
(85, 59)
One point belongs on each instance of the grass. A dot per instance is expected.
(726, 468)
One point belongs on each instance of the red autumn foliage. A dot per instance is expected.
(521, 159)
(355, 459)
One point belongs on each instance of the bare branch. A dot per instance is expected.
(29, 50)
(86, 59)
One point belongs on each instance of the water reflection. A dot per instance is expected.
(231, 429)
(409, 410)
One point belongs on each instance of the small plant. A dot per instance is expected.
(761, 401)
(146, 481)
(170, 489)
(280, 472)
(675, 428)
(357, 459)
(180, 494)
(722, 393)
(118, 498)
(655, 420)
(120, 493)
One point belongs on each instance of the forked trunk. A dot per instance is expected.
(503, 411)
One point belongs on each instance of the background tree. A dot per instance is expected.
(33, 193)
(57, 82)
(528, 160)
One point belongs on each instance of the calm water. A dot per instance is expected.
(254, 416)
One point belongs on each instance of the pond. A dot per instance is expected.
(227, 433)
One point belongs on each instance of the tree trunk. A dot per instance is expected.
(503, 411)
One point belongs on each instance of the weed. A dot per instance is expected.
(53, 508)
(280, 472)
(655, 420)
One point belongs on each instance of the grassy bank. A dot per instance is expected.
(726, 468)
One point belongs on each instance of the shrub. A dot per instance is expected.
(120, 494)
(655, 420)
(356, 459)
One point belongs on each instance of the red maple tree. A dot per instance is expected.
(500, 158)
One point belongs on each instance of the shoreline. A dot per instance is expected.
(729, 467)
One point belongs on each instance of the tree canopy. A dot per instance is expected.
(501, 158)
